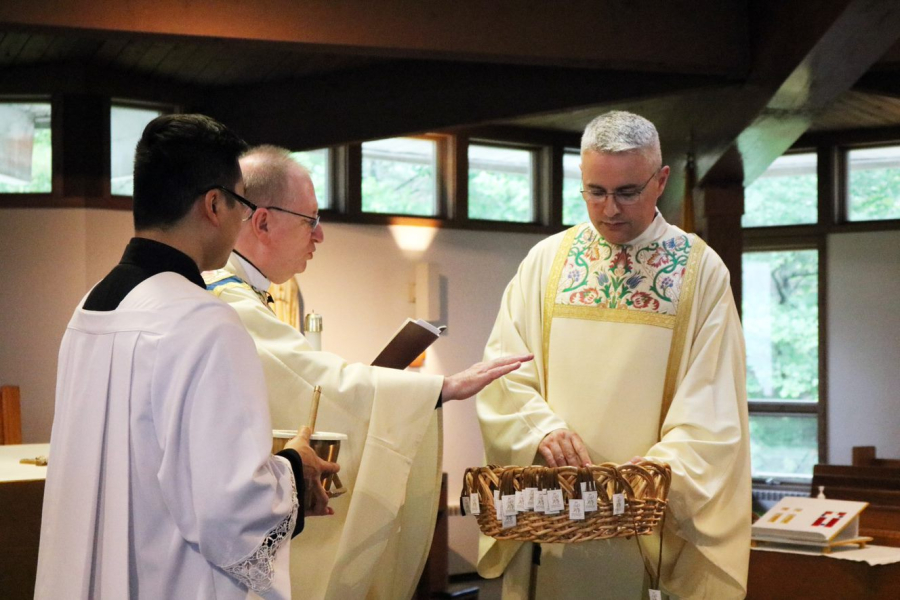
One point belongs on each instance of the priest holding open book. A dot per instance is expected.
(376, 544)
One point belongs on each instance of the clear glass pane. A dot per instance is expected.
(781, 325)
(316, 161)
(874, 184)
(783, 446)
(25, 148)
(125, 128)
(786, 194)
(574, 207)
(501, 184)
(399, 176)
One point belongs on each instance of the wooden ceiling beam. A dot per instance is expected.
(405, 97)
(688, 36)
(834, 49)
(54, 79)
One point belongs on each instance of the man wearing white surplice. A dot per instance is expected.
(376, 544)
(161, 482)
(638, 353)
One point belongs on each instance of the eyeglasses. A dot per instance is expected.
(624, 196)
(249, 207)
(313, 221)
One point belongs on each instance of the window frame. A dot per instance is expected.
(537, 183)
(164, 109)
(38, 199)
(832, 149)
(440, 179)
(841, 216)
(775, 241)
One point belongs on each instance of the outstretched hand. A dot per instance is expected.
(474, 379)
(314, 468)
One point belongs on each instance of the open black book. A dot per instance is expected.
(411, 340)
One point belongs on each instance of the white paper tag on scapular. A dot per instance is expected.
(509, 520)
(590, 502)
(498, 506)
(618, 504)
(474, 504)
(576, 510)
(520, 501)
(466, 505)
(655, 595)
(529, 498)
(540, 501)
(509, 505)
(556, 501)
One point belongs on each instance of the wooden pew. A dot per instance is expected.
(10, 415)
(876, 481)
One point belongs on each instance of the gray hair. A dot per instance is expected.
(265, 169)
(620, 131)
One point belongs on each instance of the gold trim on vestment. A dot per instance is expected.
(614, 315)
(679, 335)
(550, 297)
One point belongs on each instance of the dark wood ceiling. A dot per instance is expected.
(734, 82)
(198, 62)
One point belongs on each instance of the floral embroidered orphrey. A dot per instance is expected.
(647, 278)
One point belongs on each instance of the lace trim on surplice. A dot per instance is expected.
(257, 570)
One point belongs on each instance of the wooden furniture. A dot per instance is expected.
(876, 481)
(21, 499)
(782, 576)
(10, 415)
(864, 456)
(435, 579)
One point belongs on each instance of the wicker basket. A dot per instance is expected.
(645, 487)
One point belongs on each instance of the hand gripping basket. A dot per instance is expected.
(643, 487)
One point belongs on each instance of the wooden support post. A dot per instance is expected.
(10, 415)
(723, 206)
(84, 147)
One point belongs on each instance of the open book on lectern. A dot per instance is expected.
(810, 521)
(411, 340)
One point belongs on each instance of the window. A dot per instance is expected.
(25, 148)
(126, 125)
(874, 184)
(781, 329)
(501, 184)
(317, 162)
(783, 447)
(786, 194)
(399, 176)
(574, 207)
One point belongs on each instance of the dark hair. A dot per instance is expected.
(178, 158)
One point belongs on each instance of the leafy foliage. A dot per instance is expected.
(498, 196)
(782, 340)
(781, 201)
(398, 187)
(783, 446)
(316, 162)
(574, 207)
(874, 194)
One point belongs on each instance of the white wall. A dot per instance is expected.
(48, 261)
(864, 343)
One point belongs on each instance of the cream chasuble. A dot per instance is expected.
(376, 543)
(615, 330)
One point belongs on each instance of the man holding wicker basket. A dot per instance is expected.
(639, 356)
